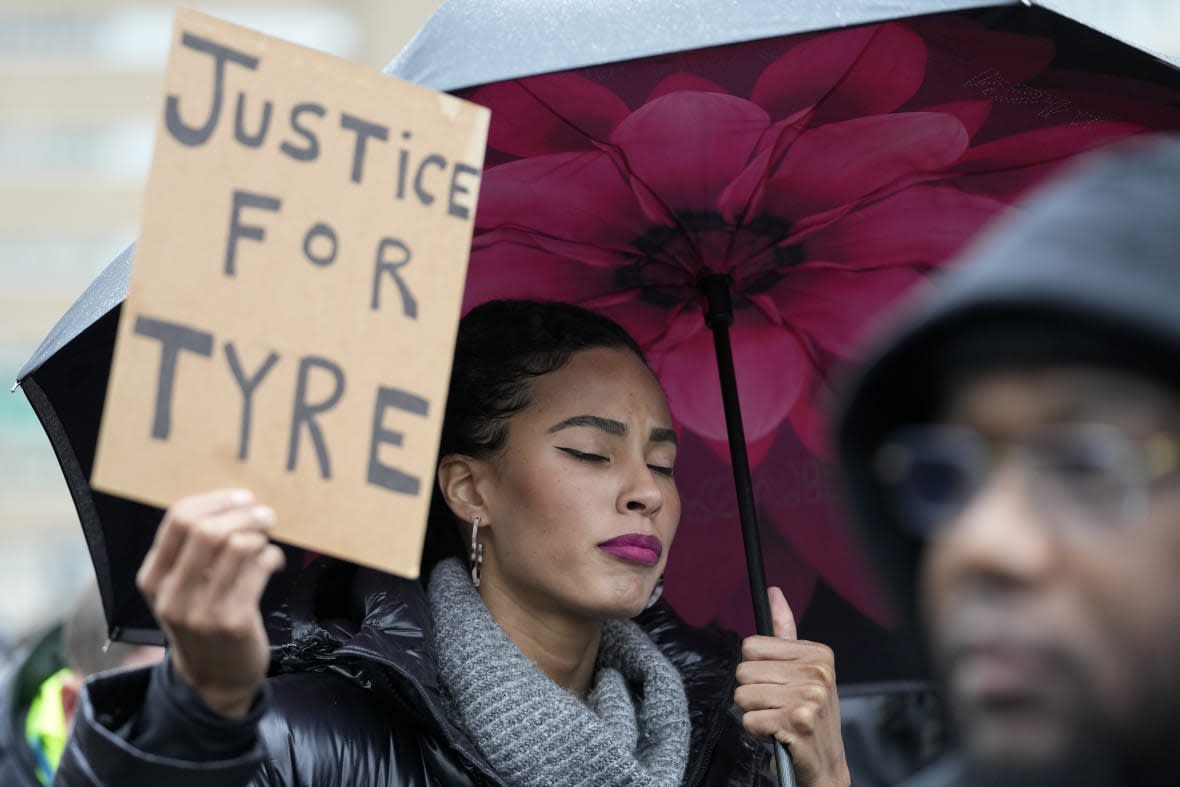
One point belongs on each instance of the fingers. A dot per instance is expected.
(174, 529)
(250, 584)
(781, 617)
(787, 692)
(214, 550)
(776, 649)
(240, 558)
(770, 696)
(803, 671)
(790, 672)
(788, 725)
(203, 578)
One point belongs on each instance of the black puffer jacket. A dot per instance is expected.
(356, 701)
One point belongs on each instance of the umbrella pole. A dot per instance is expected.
(719, 316)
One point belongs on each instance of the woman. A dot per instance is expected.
(517, 662)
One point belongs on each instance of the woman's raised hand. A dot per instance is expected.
(203, 579)
(787, 688)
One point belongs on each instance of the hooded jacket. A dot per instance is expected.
(1086, 271)
(20, 680)
(355, 700)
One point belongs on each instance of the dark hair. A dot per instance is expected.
(501, 347)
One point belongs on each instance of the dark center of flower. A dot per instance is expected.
(668, 261)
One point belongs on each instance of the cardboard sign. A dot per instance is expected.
(296, 292)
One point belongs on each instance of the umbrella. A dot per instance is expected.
(781, 171)
(65, 381)
(758, 182)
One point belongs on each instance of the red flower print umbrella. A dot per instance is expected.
(768, 201)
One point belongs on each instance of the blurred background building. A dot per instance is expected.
(79, 89)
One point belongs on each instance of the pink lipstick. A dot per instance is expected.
(634, 548)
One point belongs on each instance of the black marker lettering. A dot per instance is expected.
(173, 338)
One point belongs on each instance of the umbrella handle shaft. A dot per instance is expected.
(719, 316)
(786, 770)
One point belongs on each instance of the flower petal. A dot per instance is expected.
(845, 74)
(744, 196)
(972, 114)
(655, 327)
(684, 148)
(834, 307)
(802, 513)
(600, 255)
(922, 226)
(770, 365)
(682, 81)
(842, 162)
(513, 270)
(812, 420)
(709, 544)
(549, 113)
(575, 197)
(1007, 167)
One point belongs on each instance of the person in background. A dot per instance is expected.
(1012, 454)
(40, 689)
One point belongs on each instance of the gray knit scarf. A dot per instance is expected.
(633, 729)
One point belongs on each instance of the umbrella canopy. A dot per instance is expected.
(466, 44)
(636, 153)
(820, 170)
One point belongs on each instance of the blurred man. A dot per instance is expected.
(40, 689)
(1013, 454)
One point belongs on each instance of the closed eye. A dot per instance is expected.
(582, 455)
(662, 470)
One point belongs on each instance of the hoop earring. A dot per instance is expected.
(476, 552)
(656, 592)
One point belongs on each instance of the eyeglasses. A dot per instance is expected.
(1080, 477)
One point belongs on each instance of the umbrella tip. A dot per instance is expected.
(15, 385)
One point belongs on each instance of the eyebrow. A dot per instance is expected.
(611, 426)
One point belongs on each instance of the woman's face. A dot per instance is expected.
(580, 505)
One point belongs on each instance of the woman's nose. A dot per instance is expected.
(641, 490)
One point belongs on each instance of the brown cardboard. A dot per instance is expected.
(355, 172)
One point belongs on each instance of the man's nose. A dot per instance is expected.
(999, 537)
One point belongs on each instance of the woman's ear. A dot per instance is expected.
(460, 479)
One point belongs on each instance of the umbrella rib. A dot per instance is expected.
(522, 233)
(840, 82)
(552, 110)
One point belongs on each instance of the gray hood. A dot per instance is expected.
(1087, 270)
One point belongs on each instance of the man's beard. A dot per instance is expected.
(1077, 765)
(1096, 755)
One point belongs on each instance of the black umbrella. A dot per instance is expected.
(65, 382)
